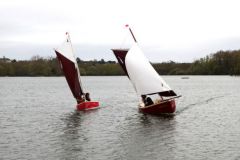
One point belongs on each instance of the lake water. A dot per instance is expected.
(38, 120)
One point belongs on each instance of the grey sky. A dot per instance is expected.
(166, 29)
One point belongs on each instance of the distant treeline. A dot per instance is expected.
(220, 63)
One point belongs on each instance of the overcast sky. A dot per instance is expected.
(179, 30)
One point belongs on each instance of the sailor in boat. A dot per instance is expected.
(87, 97)
(84, 98)
(161, 98)
(147, 100)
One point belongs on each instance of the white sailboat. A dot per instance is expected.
(146, 81)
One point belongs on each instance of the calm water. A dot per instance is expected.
(38, 121)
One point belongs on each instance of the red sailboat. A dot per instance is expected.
(70, 69)
(146, 81)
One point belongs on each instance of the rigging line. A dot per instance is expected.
(132, 35)
(125, 37)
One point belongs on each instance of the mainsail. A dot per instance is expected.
(70, 68)
(143, 76)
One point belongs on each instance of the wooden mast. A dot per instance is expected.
(131, 32)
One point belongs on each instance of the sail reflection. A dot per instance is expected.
(147, 138)
(71, 139)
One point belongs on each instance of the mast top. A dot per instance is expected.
(131, 32)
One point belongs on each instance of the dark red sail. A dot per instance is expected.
(121, 55)
(69, 67)
(71, 74)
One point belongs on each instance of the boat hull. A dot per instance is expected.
(87, 106)
(159, 108)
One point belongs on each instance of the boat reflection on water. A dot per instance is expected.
(144, 137)
(74, 133)
(71, 138)
(72, 121)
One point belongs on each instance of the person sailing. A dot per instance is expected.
(80, 100)
(147, 100)
(85, 97)
(160, 99)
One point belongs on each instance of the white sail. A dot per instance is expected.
(66, 50)
(141, 73)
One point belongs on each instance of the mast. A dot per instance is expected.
(131, 32)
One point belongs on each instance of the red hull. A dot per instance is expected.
(87, 106)
(160, 108)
